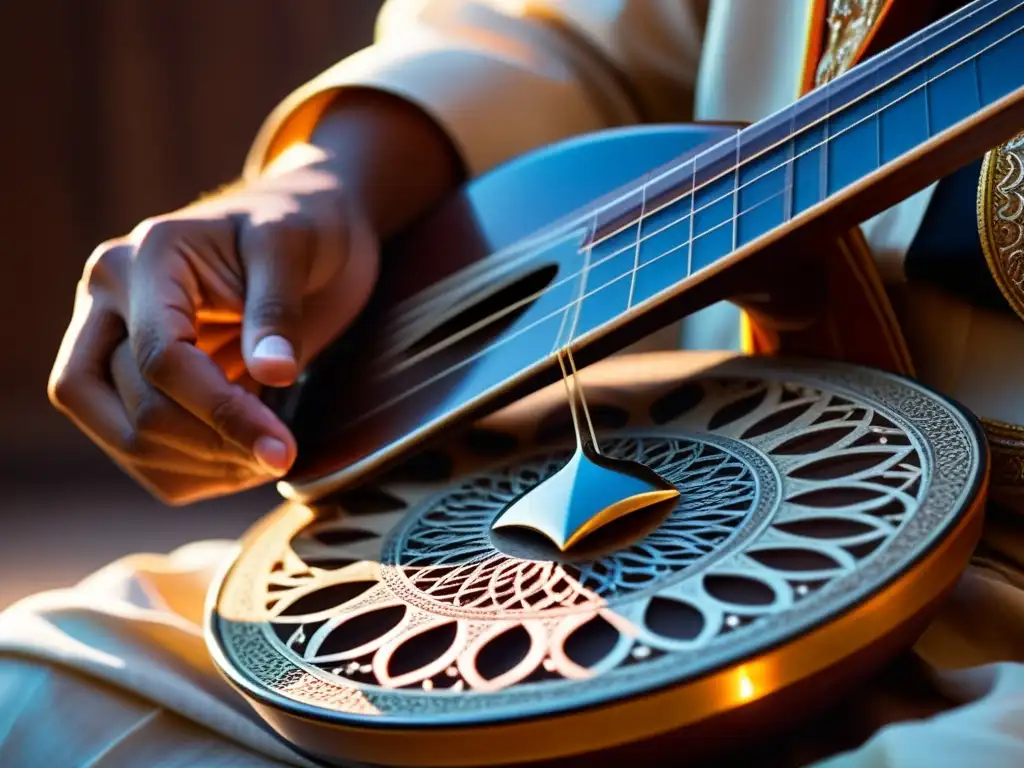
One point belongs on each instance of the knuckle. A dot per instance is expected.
(274, 311)
(60, 389)
(228, 415)
(152, 356)
(102, 268)
(162, 233)
(279, 237)
(150, 415)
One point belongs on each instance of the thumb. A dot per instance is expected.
(276, 263)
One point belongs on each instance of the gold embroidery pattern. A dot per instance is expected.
(1006, 444)
(849, 24)
(1001, 218)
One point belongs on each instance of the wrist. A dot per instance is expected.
(392, 157)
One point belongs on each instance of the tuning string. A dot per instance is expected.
(496, 316)
(588, 253)
(640, 240)
(577, 399)
(508, 309)
(483, 323)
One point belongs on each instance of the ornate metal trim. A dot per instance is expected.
(910, 525)
(851, 24)
(1001, 218)
(1006, 446)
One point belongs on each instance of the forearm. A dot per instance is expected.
(392, 156)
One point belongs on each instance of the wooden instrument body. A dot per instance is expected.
(830, 504)
(802, 651)
(530, 193)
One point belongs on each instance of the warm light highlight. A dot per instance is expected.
(746, 687)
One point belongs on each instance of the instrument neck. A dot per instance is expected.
(910, 115)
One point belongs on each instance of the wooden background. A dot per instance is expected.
(111, 111)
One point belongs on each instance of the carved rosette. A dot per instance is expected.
(802, 491)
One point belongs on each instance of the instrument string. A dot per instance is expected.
(689, 242)
(577, 399)
(823, 119)
(641, 237)
(636, 250)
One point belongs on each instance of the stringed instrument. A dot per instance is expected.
(493, 555)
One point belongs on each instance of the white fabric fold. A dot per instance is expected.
(118, 666)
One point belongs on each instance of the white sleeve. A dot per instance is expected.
(502, 77)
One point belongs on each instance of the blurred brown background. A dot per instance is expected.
(114, 110)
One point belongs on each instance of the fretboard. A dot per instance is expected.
(832, 151)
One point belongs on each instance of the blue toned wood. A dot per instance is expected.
(888, 106)
(765, 193)
(530, 192)
(904, 123)
(493, 212)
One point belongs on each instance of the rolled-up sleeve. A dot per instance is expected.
(502, 77)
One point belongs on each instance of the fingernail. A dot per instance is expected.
(272, 455)
(274, 348)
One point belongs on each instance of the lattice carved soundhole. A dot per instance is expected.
(451, 556)
(785, 491)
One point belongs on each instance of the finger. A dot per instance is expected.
(95, 329)
(277, 258)
(193, 380)
(106, 274)
(341, 296)
(78, 385)
(96, 408)
(164, 293)
(185, 443)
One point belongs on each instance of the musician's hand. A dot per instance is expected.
(177, 327)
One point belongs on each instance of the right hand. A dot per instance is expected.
(178, 326)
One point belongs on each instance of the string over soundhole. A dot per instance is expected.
(591, 490)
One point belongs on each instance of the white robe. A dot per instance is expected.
(113, 671)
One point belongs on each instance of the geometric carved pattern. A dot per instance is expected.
(1001, 229)
(849, 24)
(449, 553)
(800, 493)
